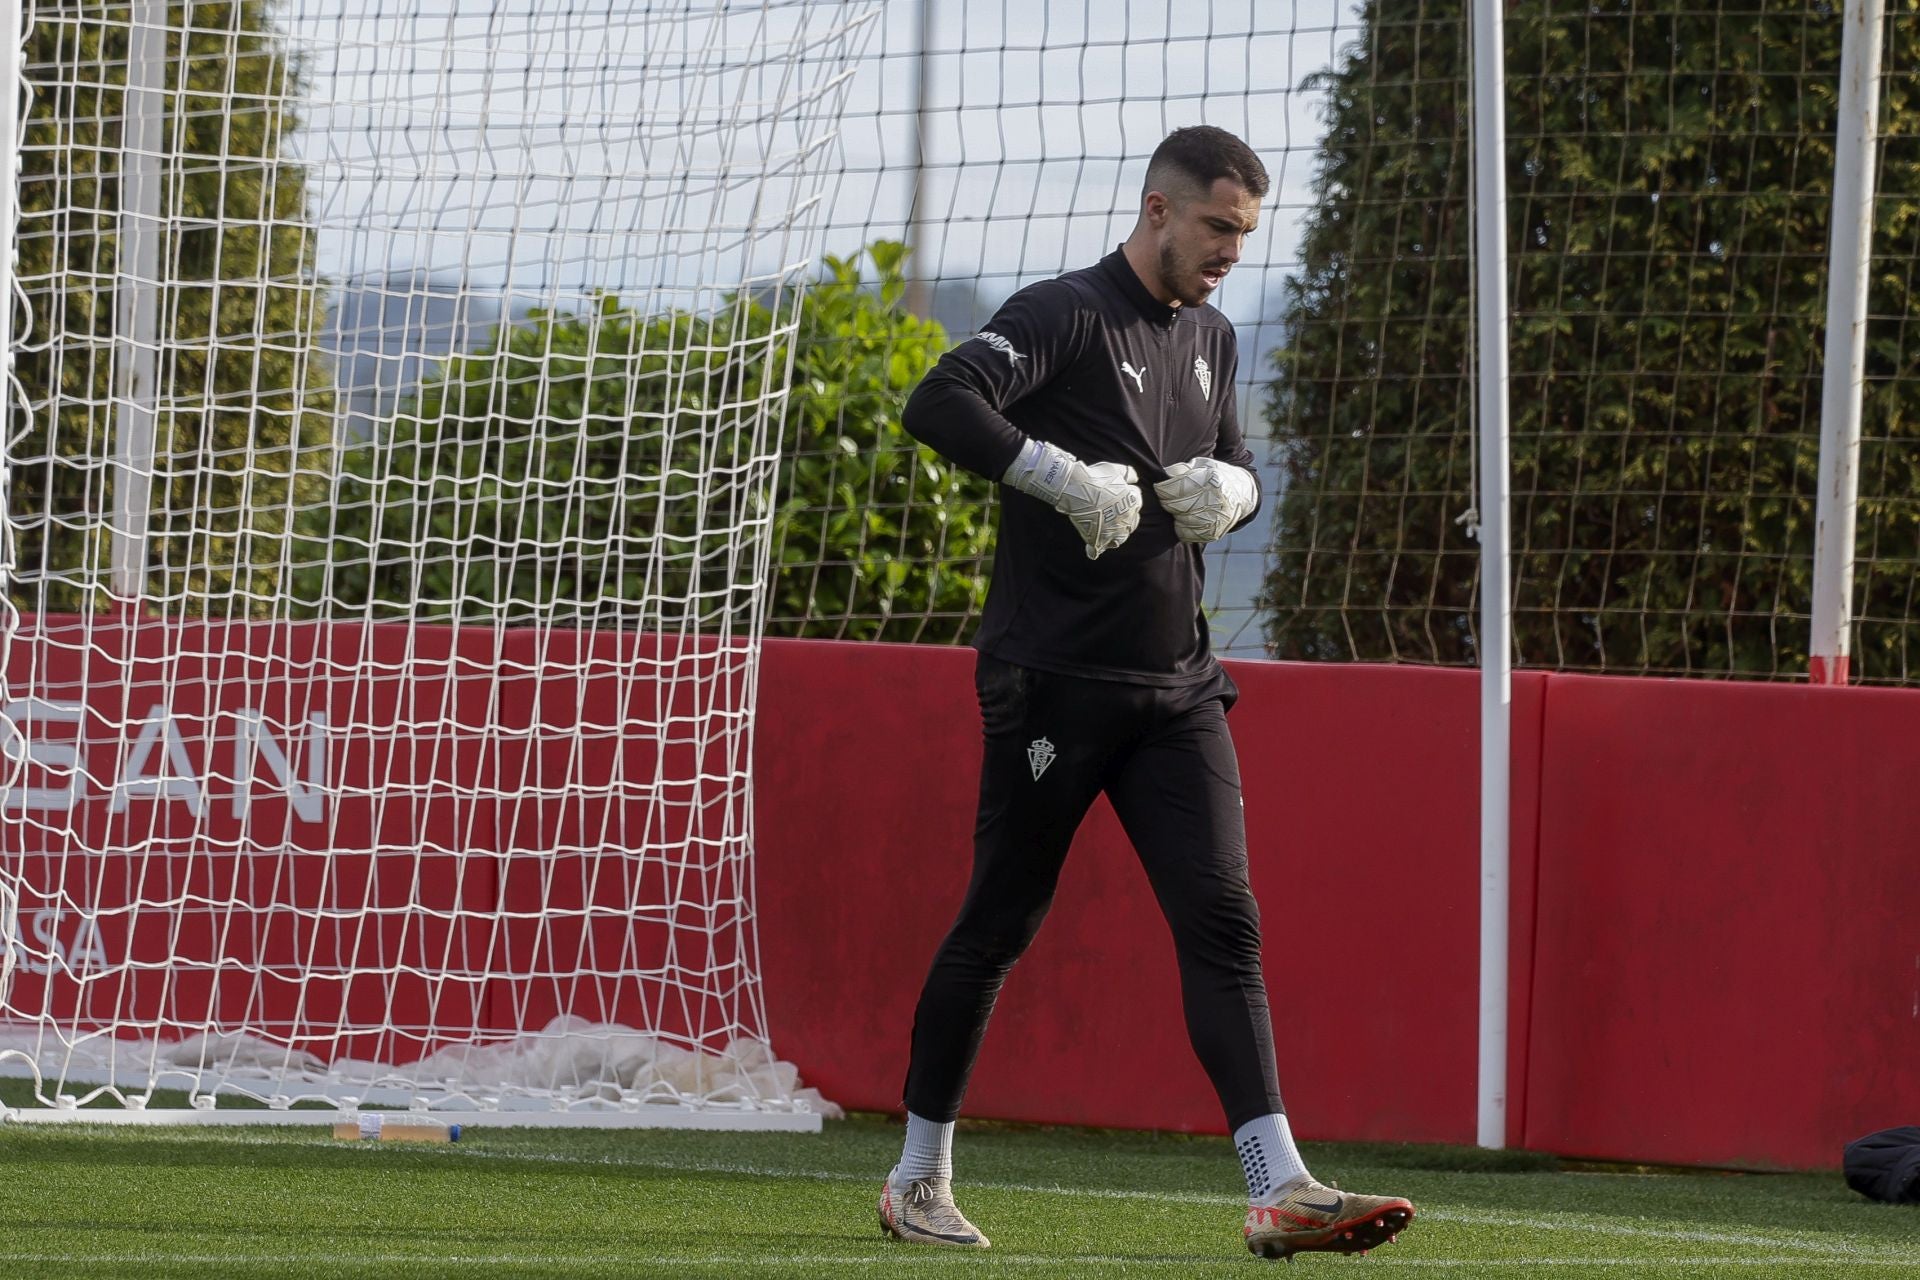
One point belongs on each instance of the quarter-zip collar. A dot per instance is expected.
(1116, 265)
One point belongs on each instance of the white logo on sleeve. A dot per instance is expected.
(1040, 754)
(1205, 375)
(1001, 345)
(1138, 375)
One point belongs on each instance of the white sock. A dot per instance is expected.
(929, 1152)
(1267, 1155)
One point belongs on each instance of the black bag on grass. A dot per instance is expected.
(1885, 1165)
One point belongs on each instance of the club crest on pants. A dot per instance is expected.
(1040, 754)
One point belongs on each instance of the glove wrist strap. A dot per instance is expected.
(1040, 470)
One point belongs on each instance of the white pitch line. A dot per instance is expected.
(1543, 1222)
(1808, 1250)
(1575, 1222)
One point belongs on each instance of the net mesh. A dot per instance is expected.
(403, 387)
(1670, 178)
(1005, 143)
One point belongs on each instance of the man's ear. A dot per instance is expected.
(1157, 208)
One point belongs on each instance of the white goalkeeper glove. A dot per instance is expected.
(1206, 498)
(1102, 499)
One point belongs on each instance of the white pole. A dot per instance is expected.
(136, 305)
(12, 757)
(10, 67)
(1496, 595)
(919, 297)
(11, 58)
(12, 87)
(1843, 376)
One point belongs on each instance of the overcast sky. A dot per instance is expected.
(441, 127)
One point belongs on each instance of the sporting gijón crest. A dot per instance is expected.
(1040, 754)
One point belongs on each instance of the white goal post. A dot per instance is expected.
(395, 400)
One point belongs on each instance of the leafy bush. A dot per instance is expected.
(879, 537)
(583, 469)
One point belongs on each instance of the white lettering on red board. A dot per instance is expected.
(159, 766)
(80, 953)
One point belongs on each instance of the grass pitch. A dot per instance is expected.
(294, 1202)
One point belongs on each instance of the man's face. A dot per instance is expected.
(1200, 236)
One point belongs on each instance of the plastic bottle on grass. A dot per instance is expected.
(375, 1126)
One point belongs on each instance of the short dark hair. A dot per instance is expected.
(1204, 155)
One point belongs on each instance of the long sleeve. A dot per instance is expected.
(959, 408)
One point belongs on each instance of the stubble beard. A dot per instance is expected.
(1182, 279)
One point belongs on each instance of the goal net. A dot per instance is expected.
(397, 395)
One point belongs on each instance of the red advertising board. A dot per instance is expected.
(370, 840)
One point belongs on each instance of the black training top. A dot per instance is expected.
(1093, 363)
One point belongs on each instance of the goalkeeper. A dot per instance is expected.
(1103, 401)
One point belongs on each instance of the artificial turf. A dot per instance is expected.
(93, 1201)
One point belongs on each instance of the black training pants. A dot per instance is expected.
(1165, 760)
